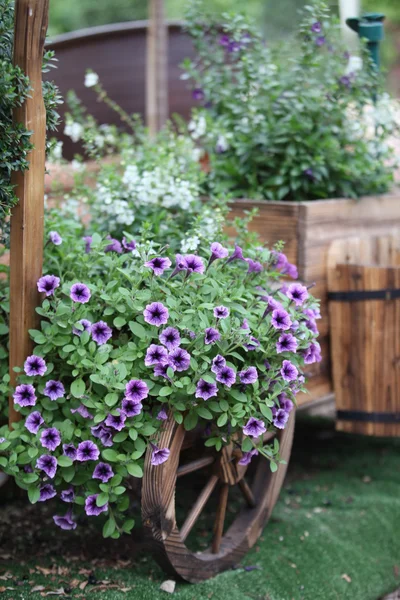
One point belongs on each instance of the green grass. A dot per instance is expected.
(338, 515)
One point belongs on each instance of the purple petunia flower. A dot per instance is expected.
(285, 403)
(128, 246)
(280, 319)
(68, 495)
(227, 376)
(70, 451)
(83, 411)
(80, 292)
(221, 312)
(65, 522)
(316, 27)
(272, 304)
(247, 456)
(311, 325)
(55, 238)
(116, 421)
(298, 293)
(309, 173)
(88, 243)
(86, 326)
(217, 251)
(48, 284)
(312, 354)
(254, 266)
(103, 471)
(35, 365)
(251, 344)
(170, 338)
(91, 508)
(289, 371)
(34, 421)
(115, 246)
(320, 40)
(158, 264)
(280, 260)
(50, 438)
(47, 464)
(131, 408)
(161, 371)
(193, 263)
(101, 332)
(286, 343)
(211, 335)
(236, 255)
(224, 40)
(103, 433)
(156, 314)
(248, 375)
(136, 390)
(87, 451)
(205, 389)
(54, 390)
(159, 455)
(47, 492)
(281, 418)
(198, 94)
(217, 363)
(254, 428)
(24, 395)
(179, 359)
(162, 415)
(245, 324)
(155, 355)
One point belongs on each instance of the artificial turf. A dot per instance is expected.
(334, 535)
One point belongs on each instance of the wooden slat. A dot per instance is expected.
(26, 247)
(156, 67)
(247, 493)
(198, 507)
(220, 518)
(195, 465)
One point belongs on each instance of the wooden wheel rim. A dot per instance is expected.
(158, 510)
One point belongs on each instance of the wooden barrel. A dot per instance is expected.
(364, 304)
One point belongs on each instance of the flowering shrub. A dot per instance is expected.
(214, 340)
(286, 125)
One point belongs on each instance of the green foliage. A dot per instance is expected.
(282, 125)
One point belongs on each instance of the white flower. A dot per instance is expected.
(77, 165)
(73, 130)
(222, 144)
(91, 79)
(57, 151)
(191, 243)
(355, 64)
(197, 128)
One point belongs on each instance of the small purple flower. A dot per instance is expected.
(286, 343)
(80, 292)
(101, 332)
(234, 46)
(159, 455)
(254, 428)
(248, 375)
(162, 415)
(211, 335)
(320, 40)
(83, 411)
(205, 390)
(34, 421)
(298, 293)
(251, 344)
(86, 326)
(35, 365)
(193, 263)
(68, 495)
(161, 371)
(245, 324)
(280, 260)
(103, 433)
(103, 471)
(221, 312)
(285, 403)
(224, 40)
(156, 314)
(198, 94)
(312, 313)
(346, 81)
(280, 418)
(309, 173)
(131, 408)
(55, 238)
(179, 265)
(155, 354)
(227, 376)
(289, 371)
(291, 271)
(47, 464)
(217, 251)
(217, 363)
(88, 243)
(158, 264)
(48, 284)
(180, 359)
(254, 266)
(312, 326)
(312, 354)
(136, 390)
(50, 438)
(236, 255)
(128, 246)
(87, 451)
(116, 421)
(70, 451)
(316, 27)
(170, 338)
(247, 456)
(65, 522)
(280, 319)
(91, 508)
(115, 246)
(54, 390)
(24, 395)
(47, 492)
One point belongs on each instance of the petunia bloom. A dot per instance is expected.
(159, 455)
(155, 354)
(286, 343)
(217, 251)
(91, 508)
(217, 363)
(254, 428)
(312, 354)
(248, 375)
(88, 243)
(47, 464)
(254, 266)
(48, 284)
(316, 27)
(68, 495)
(65, 522)
(115, 246)
(170, 338)
(80, 292)
(158, 264)
(211, 335)
(205, 389)
(298, 293)
(24, 395)
(251, 344)
(136, 390)
(35, 365)
(54, 390)
(289, 371)
(34, 421)
(50, 438)
(285, 403)
(70, 451)
(87, 451)
(193, 263)
(162, 415)
(236, 255)
(247, 456)
(280, 319)
(47, 492)
(131, 408)
(83, 411)
(116, 421)
(221, 312)
(128, 246)
(281, 418)
(156, 314)
(103, 433)
(86, 326)
(103, 471)
(227, 376)
(101, 332)
(180, 359)
(55, 238)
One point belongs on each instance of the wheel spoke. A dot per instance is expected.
(195, 465)
(198, 507)
(220, 518)
(247, 493)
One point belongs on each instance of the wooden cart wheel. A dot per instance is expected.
(168, 539)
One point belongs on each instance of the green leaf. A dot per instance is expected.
(204, 412)
(68, 474)
(135, 470)
(273, 466)
(110, 455)
(119, 322)
(111, 399)
(128, 525)
(178, 417)
(190, 420)
(224, 405)
(109, 528)
(266, 411)
(165, 391)
(64, 461)
(247, 444)
(137, 329)
(33, 494)
(78, 388)
(102, 499)
(222, 420)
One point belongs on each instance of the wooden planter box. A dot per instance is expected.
(308, 229)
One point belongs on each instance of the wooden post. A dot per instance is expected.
(26, 249)
(156, 68)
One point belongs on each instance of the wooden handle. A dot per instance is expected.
(156, 68)
(26, 245)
